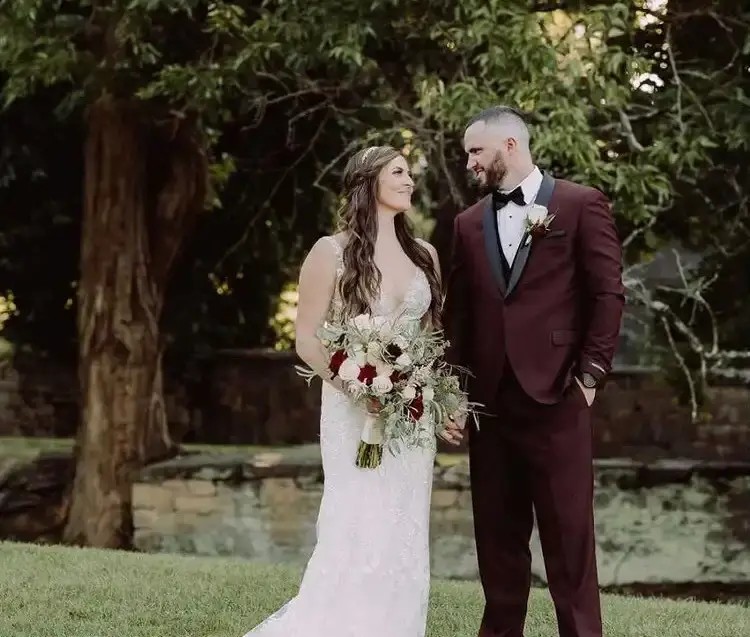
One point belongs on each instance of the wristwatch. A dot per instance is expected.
(588, 380)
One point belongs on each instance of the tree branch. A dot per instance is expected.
(634, 144)
(713, 361)
(272, 193)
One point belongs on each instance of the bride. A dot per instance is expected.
(369, 574)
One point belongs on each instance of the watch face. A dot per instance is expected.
(589, 381)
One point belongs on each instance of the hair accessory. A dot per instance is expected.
(368, 151)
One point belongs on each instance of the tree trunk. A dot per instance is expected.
(143, 191)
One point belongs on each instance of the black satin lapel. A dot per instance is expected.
(519, 263)
(489, 230)
(546, 189)
(522, 256)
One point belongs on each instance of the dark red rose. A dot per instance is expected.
(416, 408)
(336, 360)
(367, 374)
(396, 376)
(538, 230)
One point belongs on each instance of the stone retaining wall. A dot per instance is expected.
(672, 521)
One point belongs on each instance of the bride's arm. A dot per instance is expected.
(316, 286)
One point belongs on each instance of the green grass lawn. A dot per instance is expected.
(29, 448)
(26, 449)
(67, 592)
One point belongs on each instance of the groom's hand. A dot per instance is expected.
(452, 433)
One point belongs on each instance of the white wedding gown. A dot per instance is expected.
(369, 574)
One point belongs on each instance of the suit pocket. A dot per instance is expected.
(552, 234)
(564, 337)
(580, 397)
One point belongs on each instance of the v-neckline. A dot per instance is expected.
(409, 288)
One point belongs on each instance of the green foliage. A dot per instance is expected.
(694, 113)
(574, 72)
(272, 119)
(628, 97)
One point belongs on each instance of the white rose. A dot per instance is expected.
(428, 393)
(409, 392)
(349, 370)
(536, 214)
(383, 369)
(362, 322)
(385, 331)
(404, 360)
(381, 385)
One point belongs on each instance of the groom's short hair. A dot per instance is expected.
(495, 114)
(511, 120)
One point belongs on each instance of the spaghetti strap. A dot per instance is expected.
(339, 255)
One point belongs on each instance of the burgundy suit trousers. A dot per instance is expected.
(534, 458)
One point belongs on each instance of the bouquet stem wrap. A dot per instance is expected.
(370, 450)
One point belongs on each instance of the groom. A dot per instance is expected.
(533, 309)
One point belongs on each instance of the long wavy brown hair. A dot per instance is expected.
(360, 283)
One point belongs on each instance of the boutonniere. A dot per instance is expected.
(538, 219)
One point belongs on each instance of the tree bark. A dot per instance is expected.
(144, 188)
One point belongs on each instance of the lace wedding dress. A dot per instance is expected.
(369, 574)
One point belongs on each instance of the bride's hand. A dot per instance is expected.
(373, 406)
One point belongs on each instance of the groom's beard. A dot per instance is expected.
(493, 176)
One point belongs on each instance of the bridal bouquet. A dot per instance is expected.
(400, 366)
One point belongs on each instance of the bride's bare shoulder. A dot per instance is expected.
(426, 244)
(342, 238)
(323, 256)
(433, 253)
(326, 254)
(429, 247)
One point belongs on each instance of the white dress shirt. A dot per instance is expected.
(511, 219)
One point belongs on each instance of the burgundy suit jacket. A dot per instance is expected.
(559, 314)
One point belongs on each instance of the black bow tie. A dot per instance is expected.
(502, 198)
